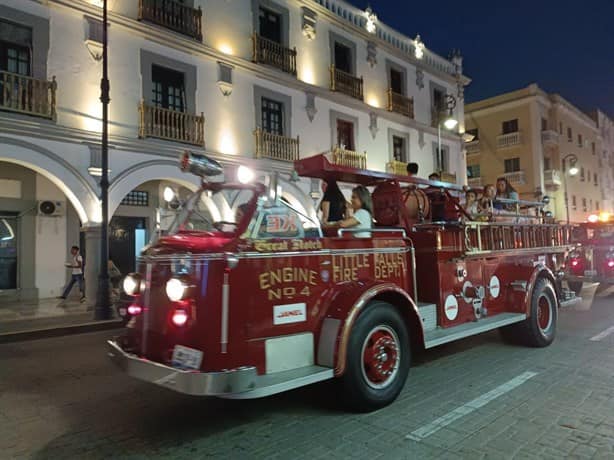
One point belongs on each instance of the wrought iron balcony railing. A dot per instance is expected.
(173, 15)
(171, 125)
(276, 147)
(349, 158)
(400, 104)
(272, 53)
(345, 83)
(27, 95)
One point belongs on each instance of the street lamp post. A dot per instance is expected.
(448, 104)
(103, 307)
(573, 170)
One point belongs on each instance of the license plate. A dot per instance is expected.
(590, 273)
(186, 358)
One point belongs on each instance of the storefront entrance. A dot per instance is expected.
(8, 250)
(127, 236)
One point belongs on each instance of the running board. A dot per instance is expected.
(270, 384)
(570, 302)
(450, 334)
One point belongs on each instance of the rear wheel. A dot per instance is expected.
(539, 329)
(378, 358)
(575, 286)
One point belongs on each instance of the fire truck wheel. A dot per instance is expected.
(540, 328)
(378, 358)
(575, 286)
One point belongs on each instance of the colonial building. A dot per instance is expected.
(606, 157)
(248, 82)
(534, 140)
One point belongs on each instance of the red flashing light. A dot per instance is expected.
(179, 317)
(611, 263)
(575, 262)
(135, 310)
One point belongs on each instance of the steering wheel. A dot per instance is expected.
(217, 225)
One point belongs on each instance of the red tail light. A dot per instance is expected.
(611, 263)
(575, 262)
(135, 310)
(179, 317)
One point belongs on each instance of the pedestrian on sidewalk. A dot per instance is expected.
(76, 265)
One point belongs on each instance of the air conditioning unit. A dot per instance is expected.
(50, 208)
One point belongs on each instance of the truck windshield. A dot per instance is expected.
(212, 211)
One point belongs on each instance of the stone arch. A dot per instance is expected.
(60, 172)
(131, 178)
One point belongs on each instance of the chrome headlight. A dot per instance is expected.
(176, 289)
(132, 284)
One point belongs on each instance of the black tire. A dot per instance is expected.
(539, 329)
(575, 286)
(382, 325)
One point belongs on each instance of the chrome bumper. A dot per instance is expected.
(188, 382)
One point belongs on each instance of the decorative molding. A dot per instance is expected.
(373, 124)
(310, 106)
(371, 53)
(419, 78)
(421, 141)
(309, 20)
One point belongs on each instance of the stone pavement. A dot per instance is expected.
(479, 398)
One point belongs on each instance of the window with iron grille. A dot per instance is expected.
(512, 165)
(168, 88)
(15, 48)
(509, 126)
(473, 171)
(270, 25)
(398, 149)
(136, 198)
(272, 116)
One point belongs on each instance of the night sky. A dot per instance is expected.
(566, 46)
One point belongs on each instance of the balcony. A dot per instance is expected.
(171, 125)
(345, 83)
(272, 53)
(516, 177)
(552, 179)
(473, 147)
(475, 182)
(550, 138)
(275, 147)
(349, 158)
(173, 15)
(400, 104)
(396, 167)
(448, 177)
(27, 95)
(509, 140)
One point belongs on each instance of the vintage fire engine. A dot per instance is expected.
(247, 296)
(592, 259)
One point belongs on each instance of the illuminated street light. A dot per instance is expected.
(570, 159)
(169, 194)
(245, 174)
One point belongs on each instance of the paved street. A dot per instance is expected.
(480, 398)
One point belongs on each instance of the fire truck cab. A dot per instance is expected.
(592, 259)
(247, 296)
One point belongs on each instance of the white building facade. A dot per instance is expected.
(249, 82)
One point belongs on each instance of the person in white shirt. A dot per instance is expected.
(76, 266)
(363, 211)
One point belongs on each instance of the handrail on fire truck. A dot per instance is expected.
(485, 237)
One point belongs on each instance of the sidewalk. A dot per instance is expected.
(47, 318)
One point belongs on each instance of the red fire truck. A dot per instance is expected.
(247, 296)
(592, 259)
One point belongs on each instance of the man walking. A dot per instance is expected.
(76, 265)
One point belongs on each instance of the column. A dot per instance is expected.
(92, 239)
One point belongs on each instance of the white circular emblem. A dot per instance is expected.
(495, 286)
(451, 307)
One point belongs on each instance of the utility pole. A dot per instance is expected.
(103, 307)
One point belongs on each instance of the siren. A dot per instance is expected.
(199, 165)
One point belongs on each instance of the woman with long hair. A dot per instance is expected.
(362, 206)
(506, 191)
(333, 205)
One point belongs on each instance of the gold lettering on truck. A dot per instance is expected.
(346, 267)
(288, 282)
(388, 266)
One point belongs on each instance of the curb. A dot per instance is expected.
(58, 331)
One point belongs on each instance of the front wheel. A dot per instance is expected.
(378, 358)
